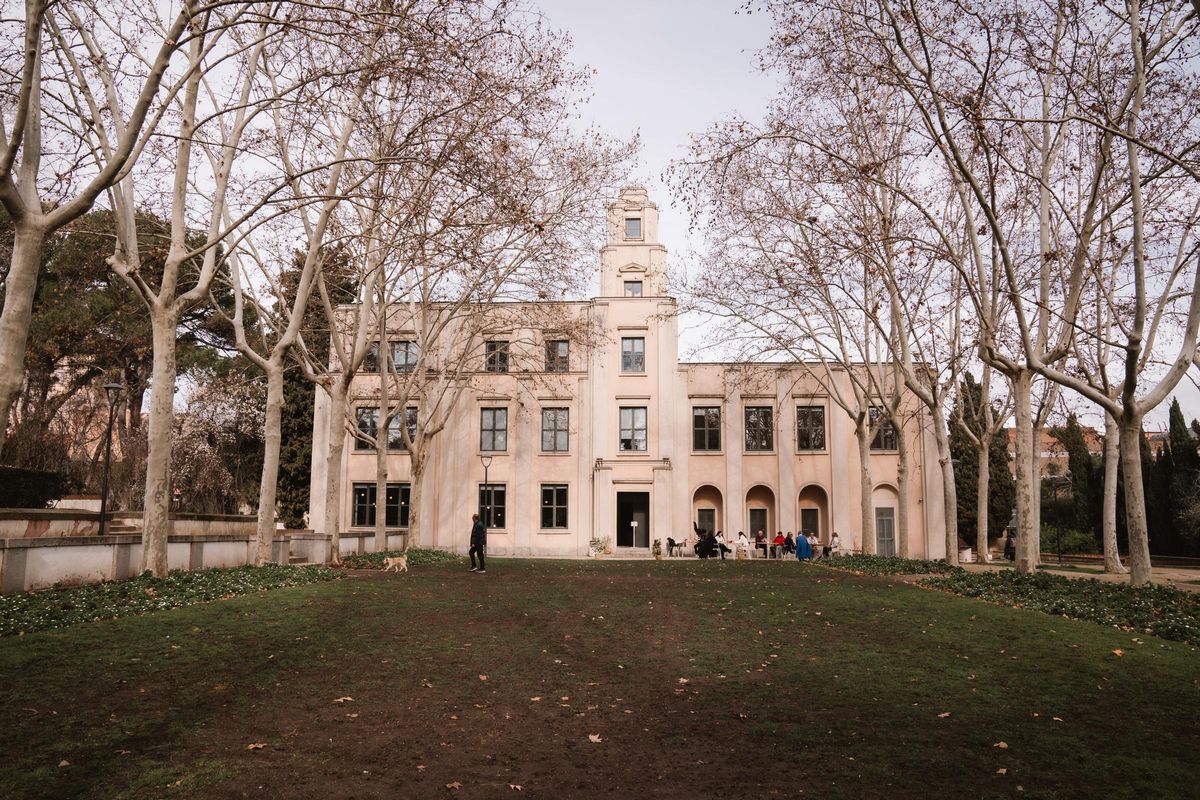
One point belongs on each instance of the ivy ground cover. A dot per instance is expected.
(672, 679)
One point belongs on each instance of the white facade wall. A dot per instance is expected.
(669, 481)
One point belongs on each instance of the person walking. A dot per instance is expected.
(478, 543)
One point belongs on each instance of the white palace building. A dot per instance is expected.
(616, 438)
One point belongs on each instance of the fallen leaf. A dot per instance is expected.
(483, 677)
(352, 716)
(1118, 652)
(515, 787)
(454, 785)
(535, 699)
(683, 680)
(1001, 745)
(420, 767)
(1002, 771)
(64, 763)
(944, 714)
(1057, 719)
(343, 700)
(256, 745)
(595, 737)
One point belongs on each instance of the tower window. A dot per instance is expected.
(633, 227)
(633, 288)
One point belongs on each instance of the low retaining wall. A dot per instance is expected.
(28, 564)
(33, 523)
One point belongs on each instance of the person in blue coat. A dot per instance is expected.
(803, 548)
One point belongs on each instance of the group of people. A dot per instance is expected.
(804, 546)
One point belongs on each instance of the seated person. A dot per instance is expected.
(760, 542)
(803, 548)
(777, 544)
(724, 548)
(743, 545)
(706, 547)
(789, 544)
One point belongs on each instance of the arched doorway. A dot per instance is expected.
(707, 508)
(813, 504)
(760, 511)
(885, 499)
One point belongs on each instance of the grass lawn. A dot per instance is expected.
(718, 679)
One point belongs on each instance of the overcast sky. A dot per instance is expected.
(669, 68)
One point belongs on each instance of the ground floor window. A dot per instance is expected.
(492, 504)
(554, 505)
(396, 506)
(885, 531)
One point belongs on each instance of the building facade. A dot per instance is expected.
(614, 438)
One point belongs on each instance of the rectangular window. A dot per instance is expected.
(370, 362)
(633, 354)
(558, 355)
(495, 356)
(396, 509)
(760, 429)
(633, 429)
(885, 434)
(493, 429)
(810, 427)
(633, 227)
(395, 435)
(554, 505)
(555, 422)
(367, 420)
(633, 288)
(706, 428)
(492, 504)
(404, 356)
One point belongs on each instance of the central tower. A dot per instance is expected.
(633, 262)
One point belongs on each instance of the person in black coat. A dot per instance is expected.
(478, 543)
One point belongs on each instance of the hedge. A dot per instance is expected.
(416, 558)
(31, 488)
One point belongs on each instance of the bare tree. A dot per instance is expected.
(55, 57)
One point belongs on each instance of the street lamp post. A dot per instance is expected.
(487, 462)
(113, 392)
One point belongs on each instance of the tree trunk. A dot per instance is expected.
(982, 490)
(941, 438)
(19, 289)
(156, 504)
(1028, 534)
(1135, 499)
(333, 468)
(419, 460)
(862, 432)
(1112, 456)
(381, 476)
(272, 439)
(902, 488)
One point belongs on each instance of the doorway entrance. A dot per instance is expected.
(885, 531)
(633, 519)
(758, 521)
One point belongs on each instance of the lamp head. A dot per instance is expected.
(486, 461)
(113, 391)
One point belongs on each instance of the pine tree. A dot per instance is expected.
(1002, 489)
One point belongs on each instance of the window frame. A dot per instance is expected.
(369, 508)
(747, 428)
(498, 490)
(409, 348)
(633, 429)
(627, 356)
(708, 430)
(558, 361)
(493, 430)
(641, 230)
(373, 431)
(810, 429)
(556, 430)
(884, 433)
(627, 285)
(559, 512)
(496, 356)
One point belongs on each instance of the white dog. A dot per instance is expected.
(398, 563)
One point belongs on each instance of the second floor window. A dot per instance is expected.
(706, 428)
(633, 288)
(370, 362)
(493, 429)
(404, 356)
(633, 429)
(558, 355)
(495, 358)
(810, 427)
(407, 418)
(760, 429)
(368, 426)
(885, 432)
(554, 430)
(633, 354)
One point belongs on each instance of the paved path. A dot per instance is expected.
(1166, 576)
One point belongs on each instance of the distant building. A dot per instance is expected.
(617, 439)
